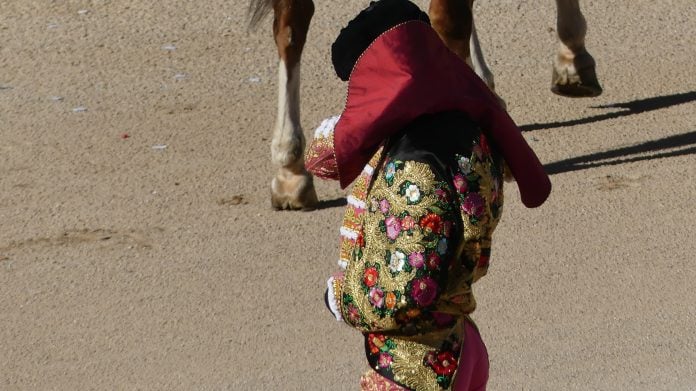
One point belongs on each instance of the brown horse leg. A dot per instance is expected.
(454, 22)
(293, 186)
(573, 68)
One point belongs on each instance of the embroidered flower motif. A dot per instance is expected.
(413, 193)
(353, 314)
(389, 171)
(390, 300)
(460, 183)
(370, 277)
(433, 261)
(432, 222)
(385, 360)
(397, 261)
(465, 165)
(445, 364)
(360, 240)
(393, 227)
(374, 205)
(384, 206)
(376, 297)
(407, 223)
(442, 195)
(375, 342)
(416, 260)
(423, 291)
(442, 246)
(473, 205)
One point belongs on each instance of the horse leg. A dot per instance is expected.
(573, 67)
(454, 22)
(477, 60)
(293, 186)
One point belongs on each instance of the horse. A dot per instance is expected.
(573, 75)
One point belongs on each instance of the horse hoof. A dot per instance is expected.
(575, 77)
(290, 191)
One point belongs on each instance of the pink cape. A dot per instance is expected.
(408, 72)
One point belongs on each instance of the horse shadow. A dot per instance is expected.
(631, 108)
(682, 144)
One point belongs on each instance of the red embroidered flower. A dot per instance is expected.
(442, 195)
(474, 205)
(370, 277)
(433, 261)
(407, 223)
(445, 364)
(360, 241)
(375, 342)
(423, 291)
(432, 222)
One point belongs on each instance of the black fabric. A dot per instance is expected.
(369, 24)
(435, 139)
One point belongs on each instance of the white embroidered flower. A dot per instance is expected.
(397, 261)
(413, 193)
(465, 165)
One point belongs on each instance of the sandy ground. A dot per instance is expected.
(154, 261)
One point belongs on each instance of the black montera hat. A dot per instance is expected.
(369, 24)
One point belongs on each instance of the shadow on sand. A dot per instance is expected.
(681, 144)
(326, 204)
(630, 108)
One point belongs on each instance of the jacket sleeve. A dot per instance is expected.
(320, 157)
(400, 268)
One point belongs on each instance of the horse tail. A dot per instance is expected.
(258, 9)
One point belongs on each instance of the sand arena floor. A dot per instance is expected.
(138, 249)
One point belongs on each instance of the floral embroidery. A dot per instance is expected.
(389, 171)
(397, 261)
(371, 276)
(473, 205)
(431, 222)
(424, 291)
(407, 223)
(385, 360)
(412, 193)
(464, 165)
(376, 296)
(433, 261)
(399, 277)
(393, 226)
(390, 300)
(460, 183)
(384, 206)
(416, 260)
